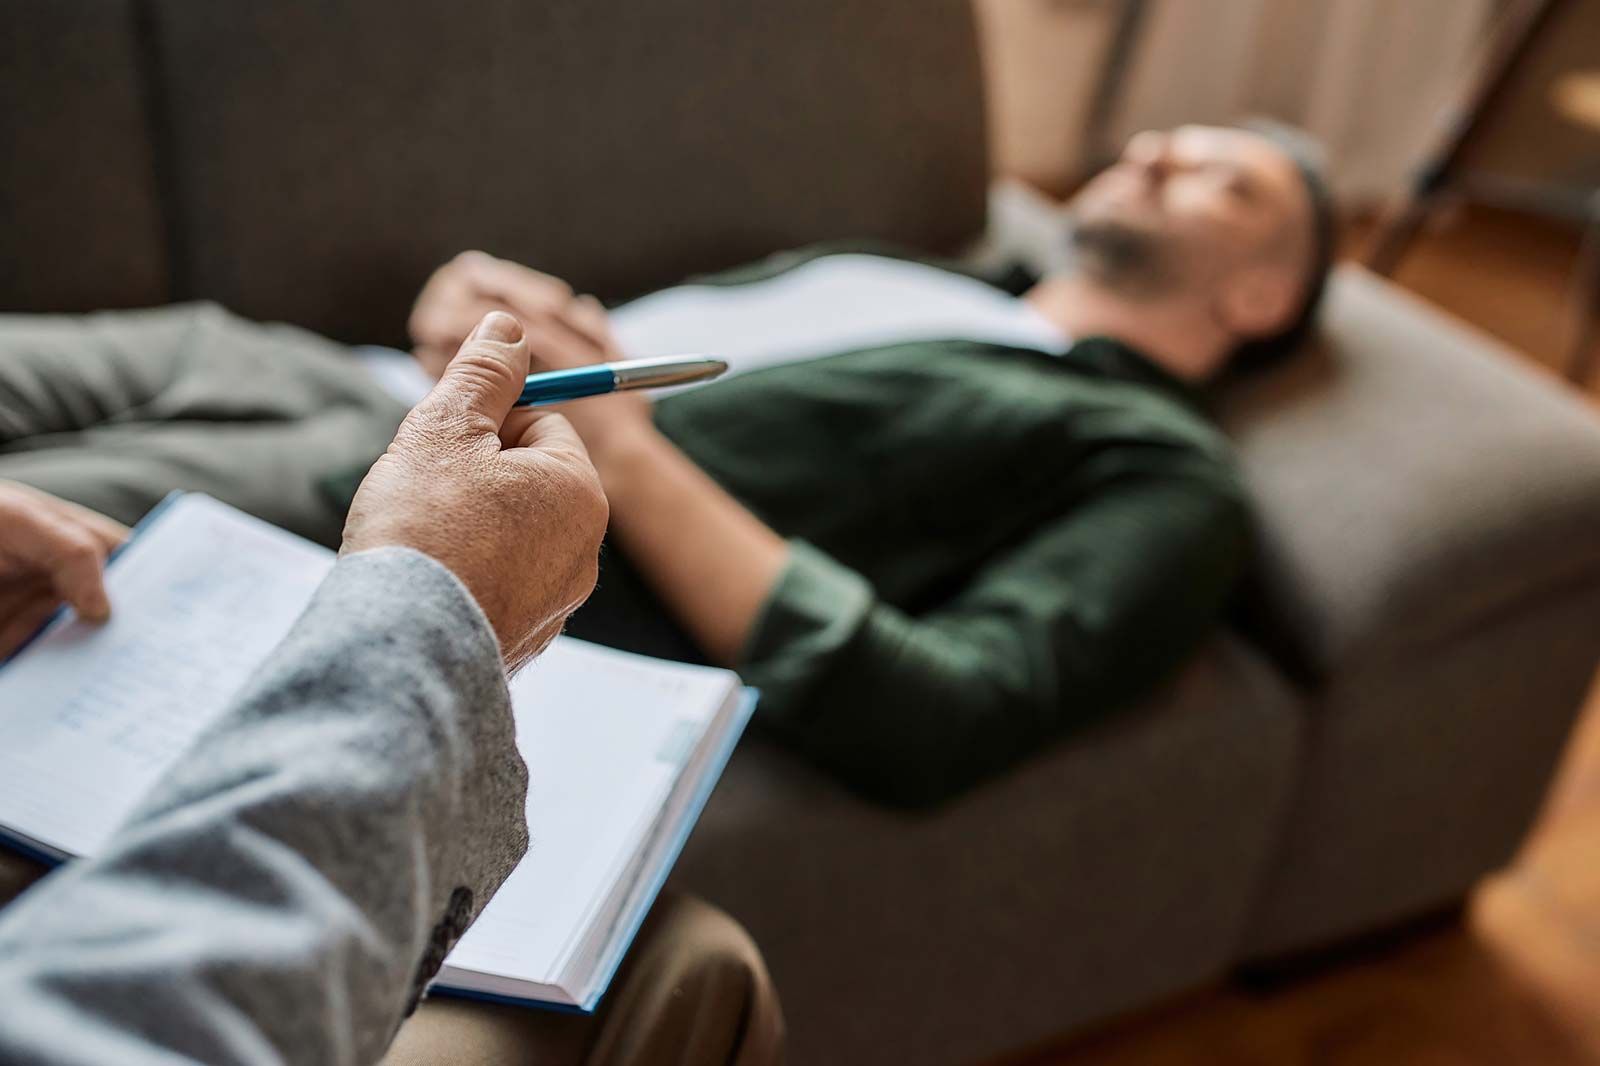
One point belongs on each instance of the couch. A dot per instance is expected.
(1370, 734)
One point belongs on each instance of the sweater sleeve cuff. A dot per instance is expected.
(381, 584)
(403, 616)
(813, 612)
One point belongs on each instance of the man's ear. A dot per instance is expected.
(1256, 301)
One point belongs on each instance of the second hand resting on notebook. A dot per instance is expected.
(51, 555)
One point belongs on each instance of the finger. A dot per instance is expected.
(448, 325)
(69, 555)
(524, 288)
(553, 344)
(80, 579)
(547, 431)
(15, 594)
(16, 628)
(486, 376)
(519, 424)
(588, 316)
(580, 332)
(108, 531)
(444, 289)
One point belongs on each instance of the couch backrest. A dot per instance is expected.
(80, 217)
(313, 162)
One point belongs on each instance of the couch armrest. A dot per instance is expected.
(1411, 480)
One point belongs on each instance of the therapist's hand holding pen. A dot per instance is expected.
(503, 496)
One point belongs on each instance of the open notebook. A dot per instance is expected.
(622, 750)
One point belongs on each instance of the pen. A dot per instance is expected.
(559, 385)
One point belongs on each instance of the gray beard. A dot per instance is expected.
(1121, 258)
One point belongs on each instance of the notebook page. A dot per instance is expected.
(605, 735)
(91, 716)
(595, 962)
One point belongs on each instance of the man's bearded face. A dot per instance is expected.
(1181, 211)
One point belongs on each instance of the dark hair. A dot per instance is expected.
(1309, 160)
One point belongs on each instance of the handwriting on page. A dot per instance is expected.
(160, 684)
(198, 602)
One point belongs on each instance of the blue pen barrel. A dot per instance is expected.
(558, 386)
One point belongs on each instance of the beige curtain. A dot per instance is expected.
(1042, 62)
(1365, 76)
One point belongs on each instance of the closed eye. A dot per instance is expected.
(1242, 188)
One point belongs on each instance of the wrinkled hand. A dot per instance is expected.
(51, 552)
(507, 499)
(462, 291)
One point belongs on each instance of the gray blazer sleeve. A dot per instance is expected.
(286, 890)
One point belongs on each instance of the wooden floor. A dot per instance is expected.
(1518, 980)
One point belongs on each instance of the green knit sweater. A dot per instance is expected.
(990, 546)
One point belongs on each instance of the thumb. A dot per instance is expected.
(485, 376)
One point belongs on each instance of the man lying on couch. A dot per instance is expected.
(937, 524)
